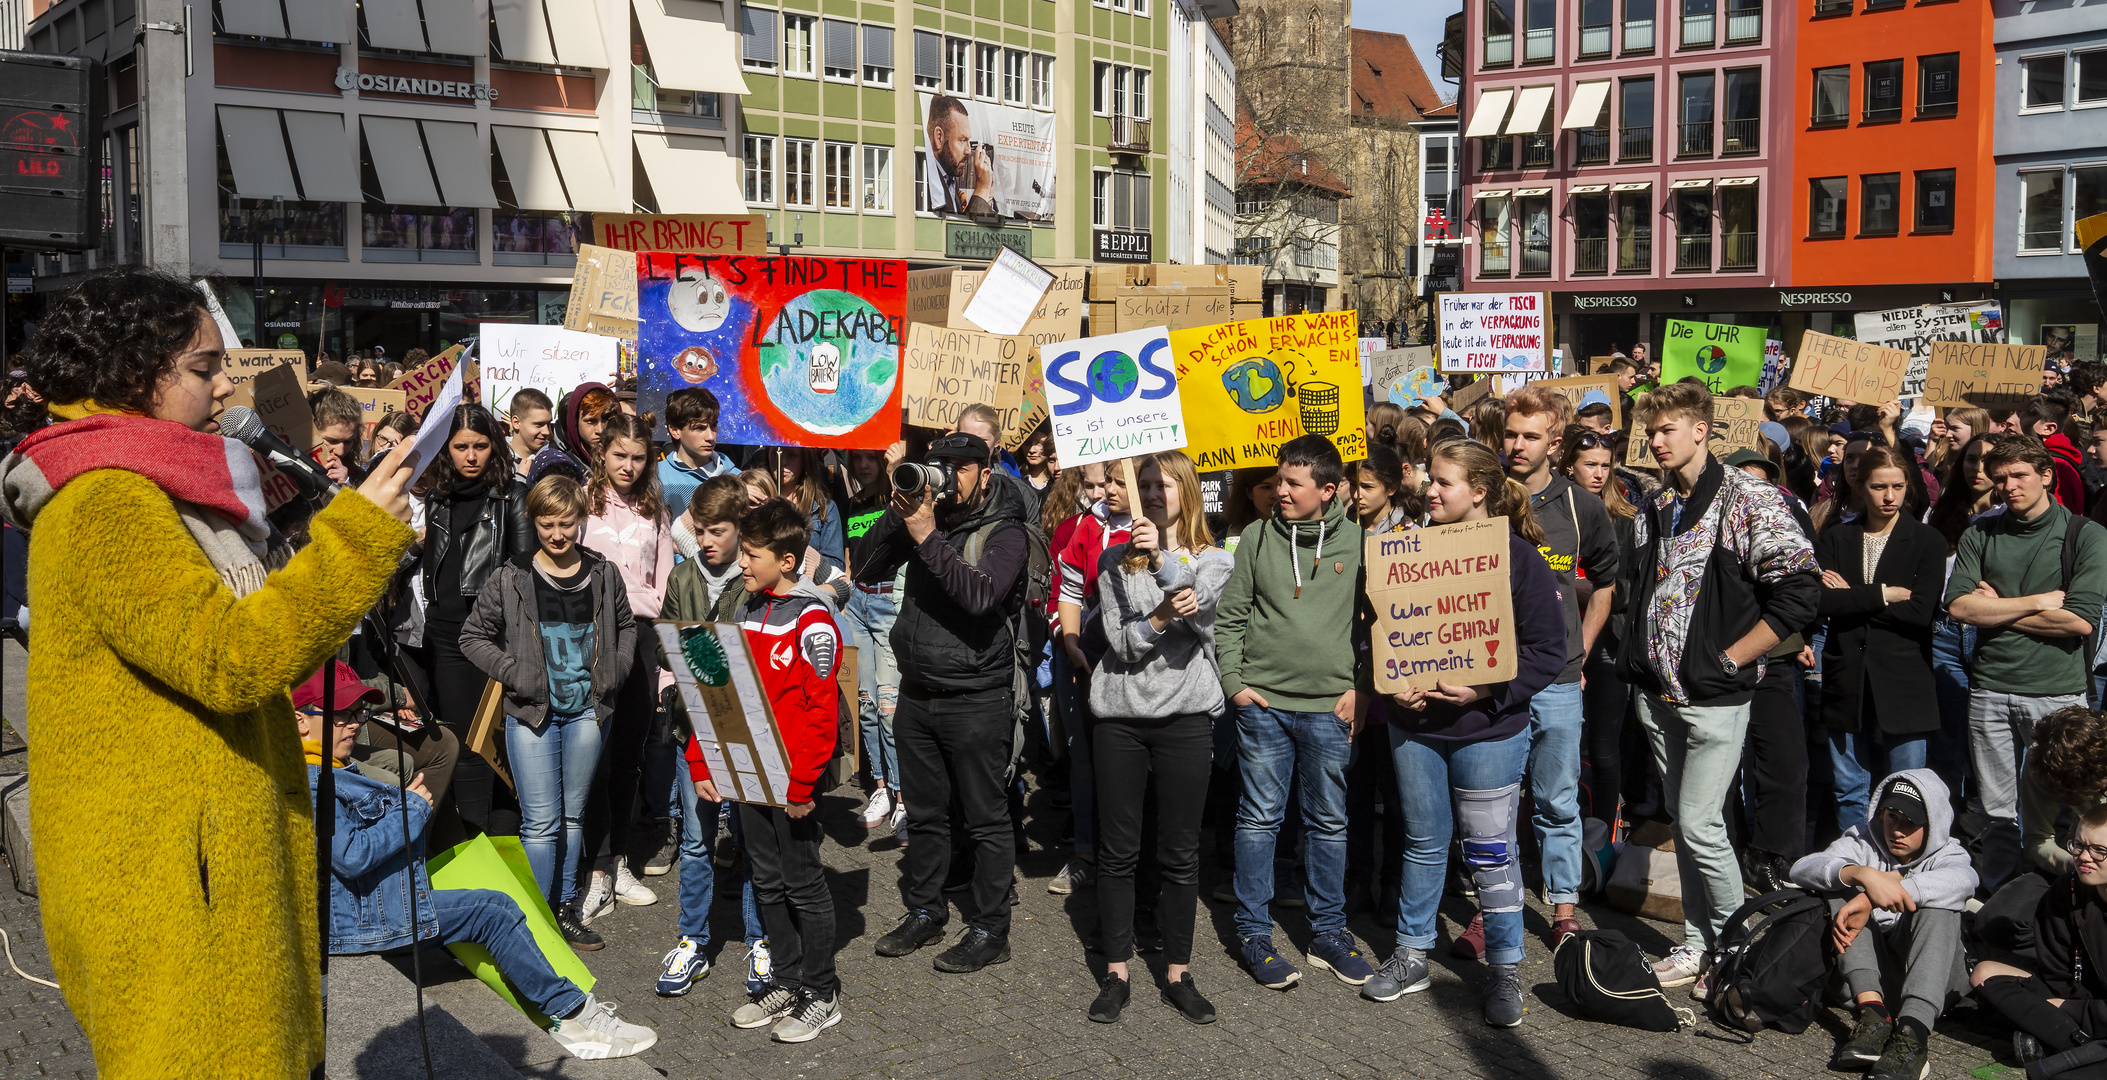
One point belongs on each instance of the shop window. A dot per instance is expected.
(1935, 200)
(1879, 199)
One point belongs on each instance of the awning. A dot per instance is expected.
(317, 20)
(1683, 185)
(1738, 181)
(1586, 107)
(1631, 187)
(1587, 189)
(536, 185)
(1493, 193)
(393, 24)
(584, 165)
(523, 34)
(328, 171)
(1527, 192)
(1529, 110)
(691, 49)
(575, 26)
(1492, 108)
(396, 149)
(256, 149)
(462, 163)
(259, 17)
(453, 27)
(689, 177)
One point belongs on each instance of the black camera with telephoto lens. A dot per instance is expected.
(938, 479)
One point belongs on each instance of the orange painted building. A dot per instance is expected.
(1894, 182)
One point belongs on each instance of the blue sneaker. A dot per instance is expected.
(683, 966)
(758, 968)
(1334, 949)
(1266, 966)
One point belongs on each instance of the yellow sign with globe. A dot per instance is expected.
(1249, 386)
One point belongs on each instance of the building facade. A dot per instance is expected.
(1293, 146)
(1380, 265)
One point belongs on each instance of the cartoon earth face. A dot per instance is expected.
(694, 365)
(866, 372)
(1255, 385)
(697, 301)
(1113, 376)
(1710, 358)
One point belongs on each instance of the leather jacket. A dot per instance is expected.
(500, 534)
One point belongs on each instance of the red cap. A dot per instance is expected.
(349, 690)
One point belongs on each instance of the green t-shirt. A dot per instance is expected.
(2025, 558)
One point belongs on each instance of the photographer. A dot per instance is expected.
(964, 543)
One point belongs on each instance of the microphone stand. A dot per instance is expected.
(325, 833)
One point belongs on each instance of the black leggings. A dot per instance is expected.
(1774, 767)
(1604, 703)
(611, 806)
(1179, 753)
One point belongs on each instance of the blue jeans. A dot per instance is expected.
(869, 620)
(698, 873)
(1952, 649)
(1555, 718)
(1276, 747)
(1852, 759)
(491, 919)
(1429, 773)
(554, 770)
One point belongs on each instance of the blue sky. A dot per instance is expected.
(1419, 20)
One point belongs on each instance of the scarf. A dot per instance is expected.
(313, 750)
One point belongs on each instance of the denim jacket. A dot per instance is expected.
(371, 869)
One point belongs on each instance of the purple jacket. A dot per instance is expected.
(1540, 652)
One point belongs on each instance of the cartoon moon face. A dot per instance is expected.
(697, 301)
(695, 365)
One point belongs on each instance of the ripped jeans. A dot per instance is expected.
(869, 621)
(1473, 789)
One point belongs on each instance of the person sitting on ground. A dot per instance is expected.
(1896, 885)
(2066, 768)
(376, 869)
(2063, 1001)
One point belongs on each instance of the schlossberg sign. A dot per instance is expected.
(396, 84)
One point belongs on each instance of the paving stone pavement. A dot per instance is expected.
(1025, 1019)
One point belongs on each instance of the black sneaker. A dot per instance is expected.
(1185, 997)
(2026, 1048)
(575, 931)
(1869, 1036)
(976, 949)
(1112, 994)
(1908, 1054)
(915, 930)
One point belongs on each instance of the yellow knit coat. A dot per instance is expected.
(169, 805)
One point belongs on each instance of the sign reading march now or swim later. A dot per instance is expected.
(1250, 386)
(1982, 375)
(1851, 370)
(1493, 332)
(1113, 396)
(1444, 607)
(1722, 355)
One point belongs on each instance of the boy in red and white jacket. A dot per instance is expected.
(791, 630)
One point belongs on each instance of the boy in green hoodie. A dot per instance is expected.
(1291, 668)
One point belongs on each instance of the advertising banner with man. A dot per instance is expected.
(988, 160)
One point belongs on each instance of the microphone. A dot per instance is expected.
(240, 423)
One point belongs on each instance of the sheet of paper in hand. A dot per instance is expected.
(728, 709)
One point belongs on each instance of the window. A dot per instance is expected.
(921, 182)
(1118, 100)
(1309, 39)
(2092, 77)
(1138, 105)
(1595, 26)
(956, 64)
(2041, 82)
(757, 38)
(2088, 195)
(1141, 7)
(1591, 233)
(878, 179)
(1939, 84)
(1499, 33)
(2041, 210)
(1591, 144)
(838, 50)
(1935, 200)
(1737, 227)
(1694, 125)
(1541, 44)
(758, 152)
(798, 168)
(1635, 120)
(1042, 82)
(878, 55)
(840, 176)
(1493, 258)
(928, 60)
(1101, 88)
(1742, 130)
(1878, 194)
(797, 44)
(1109, 91)
(1827, 201)
(1495, 154)
(1638, 26)
(1120, 200)
(1634, 232)
(1697, 23)
(1534, 214)
(1744, 21)
(1013, 65)
(1832, 96)
(985, 59)
(1883, 91)
(1693, 230)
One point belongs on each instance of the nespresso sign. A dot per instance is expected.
(396, 84)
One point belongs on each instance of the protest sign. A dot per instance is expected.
(1387, 366)
(1493, 332)
(1773, 365)
(1852, 370)
(280, 401)
(1913, 329)
(1471, 393)
(551, 359)
(702, 234)
(1172, 307)
(430, 440)
(603, 293)
(1113, 396)
(728, 710)
(245, 364)
(421, 384)
(1008, 294)
(1962, 374)
(1031, 407)
(1444, 608)
(374, 404)
(1369, 346)
(940, 296)
(1408, 389)
(1722, 355)
(1582, 390)
(798, 351)
(943, 371)
(1733, 427)
(1250, 386)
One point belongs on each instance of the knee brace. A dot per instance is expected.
(1487, 820)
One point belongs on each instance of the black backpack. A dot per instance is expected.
(1608, 978)
(1771, 962)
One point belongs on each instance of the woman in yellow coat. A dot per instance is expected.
(169, 803)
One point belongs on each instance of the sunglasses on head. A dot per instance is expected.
(1595, 440)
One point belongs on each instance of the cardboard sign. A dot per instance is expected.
(278, 488)
(1850, 370)
(728, 710)
(1583, 390)
(245, 364)
(705, 234)
(280, 402)
(1913, 329)
(1733, 427)
(1494, 331)
(943, 371)
(1113, 396)
(1387, 366)
(603, 293)
(1008, 294)
(798, 351)
(1169, 307)
(421, 384)
(1250, 386)
(1999, 378)
(1724, 356)
(551, 359)
(1031, 408)
(1444, 606)
(374, 404)
(940, 296)
(1471, 394)
(1370, 346)
(1409, 389)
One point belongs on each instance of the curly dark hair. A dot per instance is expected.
(2070, 749)
(114, 335)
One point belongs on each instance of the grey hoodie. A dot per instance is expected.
(1941, 876)
(1150, 676)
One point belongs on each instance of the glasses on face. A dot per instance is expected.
(2089, 853)
(342, 720)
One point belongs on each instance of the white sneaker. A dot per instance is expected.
(811, 1016)
(599, 897)
(899, 821)
(594, 1033)
(629, 890)
(1075, 875)
(877, 810)
(1680, 967)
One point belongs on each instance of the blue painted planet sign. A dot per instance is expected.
(1113, 396)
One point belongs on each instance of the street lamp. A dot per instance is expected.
(797, 239)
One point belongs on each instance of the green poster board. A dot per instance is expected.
(1723, 356)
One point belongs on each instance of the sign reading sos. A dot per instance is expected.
(1113, 396)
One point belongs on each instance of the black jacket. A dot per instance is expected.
(501, 533)
(2070, 945)
(1871, 640)
(954, 633)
